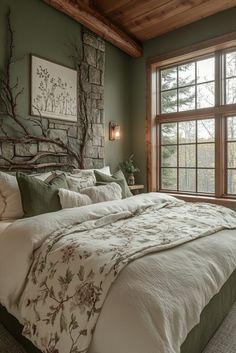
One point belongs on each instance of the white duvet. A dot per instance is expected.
(4, 225)
(160, 290)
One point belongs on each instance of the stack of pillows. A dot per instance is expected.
(30, 195)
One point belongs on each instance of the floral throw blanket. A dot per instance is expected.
(75, 267)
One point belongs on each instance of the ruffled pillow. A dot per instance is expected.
(109, 192)
(105, 170)
(82, 178)
(10, 198)
(70, 199)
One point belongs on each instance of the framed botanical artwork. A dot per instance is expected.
(53, 90)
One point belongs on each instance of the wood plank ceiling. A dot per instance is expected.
(146, 19)
(128, 23)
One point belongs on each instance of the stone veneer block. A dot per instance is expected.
(95, 95)
(100, 103)
(101, 46)
(101, 152)
(98, 130)
(86, 86)
(90, 55)
(73, 132)
(84, 71)
(61, 126)
(26, 149)
(8, 150)
(58, 134)
(100, 60)
(88, 163)
(95, 116)
(98, 163)
(94, 41)
(94, 75)
(97, 141)
(49, 147)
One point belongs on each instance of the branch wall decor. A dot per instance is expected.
(57, 144)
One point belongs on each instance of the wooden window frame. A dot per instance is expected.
(219, 112)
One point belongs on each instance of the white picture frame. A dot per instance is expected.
(53, 90)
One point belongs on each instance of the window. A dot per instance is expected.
(188, 86)
(230, 77)
(188, 156)
(196, 121)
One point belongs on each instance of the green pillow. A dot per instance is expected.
(118, 178)
(39, 196)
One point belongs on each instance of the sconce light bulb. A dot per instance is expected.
(114, 131)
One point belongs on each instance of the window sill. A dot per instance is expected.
(227, 202)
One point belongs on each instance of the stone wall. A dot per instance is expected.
(92, 80)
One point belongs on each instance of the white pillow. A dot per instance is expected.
(108, 192)
(80, 180)
(10, 199)
(104, 170)
(83, 178)
(42, 176)
(70, 199)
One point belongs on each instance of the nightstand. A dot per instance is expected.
(136, 188)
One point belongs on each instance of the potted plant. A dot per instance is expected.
(130, 169)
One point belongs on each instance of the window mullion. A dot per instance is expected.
(218, 76)
(177, 89)
(195, 85)
(219, 156)
(219, 187)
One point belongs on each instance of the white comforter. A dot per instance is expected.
(4, 225)
(152, 293)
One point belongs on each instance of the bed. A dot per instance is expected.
(211, 317)
(168, 296)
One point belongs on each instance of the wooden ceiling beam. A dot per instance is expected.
(98, 23)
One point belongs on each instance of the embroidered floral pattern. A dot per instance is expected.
(75, 267)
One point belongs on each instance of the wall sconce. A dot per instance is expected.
(114, 131)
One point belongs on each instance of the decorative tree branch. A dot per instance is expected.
(9, 95)
(83, 117)
(21, 166)
(83, 97)
(30, 164)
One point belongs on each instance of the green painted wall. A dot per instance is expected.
(117, 104)
(44, 31)
(41, 30)
(197, 32)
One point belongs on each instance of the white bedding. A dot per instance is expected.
(184, 279)
(152, 293)
(4, 225)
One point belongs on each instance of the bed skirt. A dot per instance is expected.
(211, 317)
